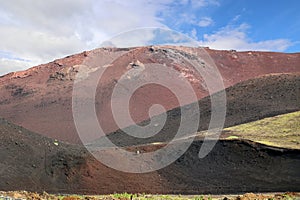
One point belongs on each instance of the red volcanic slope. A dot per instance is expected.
(40, 98)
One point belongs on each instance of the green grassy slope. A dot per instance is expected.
(281, 131)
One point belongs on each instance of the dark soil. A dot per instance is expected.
(34, 163)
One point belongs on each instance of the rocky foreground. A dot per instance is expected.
(125, 196)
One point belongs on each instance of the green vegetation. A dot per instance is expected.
(128, 196)
(232, 137)
(123, 195)
(199, 198)
(280, 131)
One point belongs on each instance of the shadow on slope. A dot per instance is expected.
(35, 163)
(248, 101)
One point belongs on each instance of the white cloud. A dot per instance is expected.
(194, 34)
(40, 31)
(132, 38)
(236, 18)
(205, 21)
(7, 64)
(34, 44)
(236, 38)
(203, 3)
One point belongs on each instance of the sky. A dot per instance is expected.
(33, 32)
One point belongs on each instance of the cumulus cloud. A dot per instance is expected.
(205, 21)
(7, 64)
(34, 32)
(40, 31)
(231, 37)
(32, 44)
(202, 3)
(131, 38)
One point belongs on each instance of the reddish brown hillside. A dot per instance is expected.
(250, 100)
(40, 98)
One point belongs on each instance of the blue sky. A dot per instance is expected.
(35, 32)
(259, 20)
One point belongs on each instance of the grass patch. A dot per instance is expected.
(124, 195)
(232, 137)
(281, 131)
(127, 196)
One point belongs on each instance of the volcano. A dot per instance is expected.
(40, 98)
